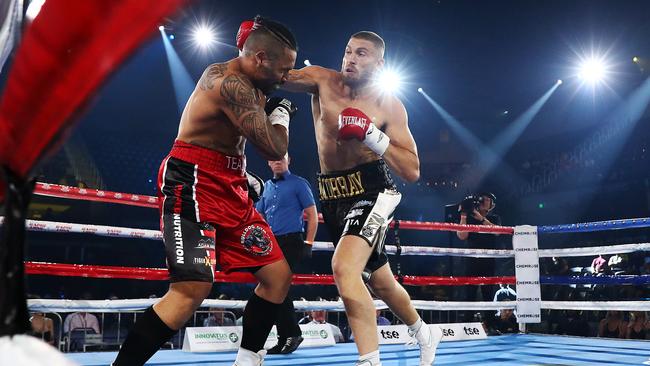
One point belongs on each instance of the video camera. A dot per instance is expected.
(469, 204)
(472, 202)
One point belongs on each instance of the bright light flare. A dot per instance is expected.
(593, 71)
(204, 36)
(389, 81)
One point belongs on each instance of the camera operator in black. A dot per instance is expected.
(476, 210)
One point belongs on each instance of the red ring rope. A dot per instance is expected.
(56, 190)
(160, 274)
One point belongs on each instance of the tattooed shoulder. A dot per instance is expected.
(212, 73)
(239, 93)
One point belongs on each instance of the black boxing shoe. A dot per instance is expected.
(291, 345)
(277, 349)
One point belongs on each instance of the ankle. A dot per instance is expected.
(369, 359)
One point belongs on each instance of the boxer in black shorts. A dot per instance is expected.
(361, 131)
(348, 199)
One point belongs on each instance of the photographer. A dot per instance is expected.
(476, 210)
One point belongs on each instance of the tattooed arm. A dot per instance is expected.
(244, 106)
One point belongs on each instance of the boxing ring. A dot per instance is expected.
(513, 349)
(89, 32)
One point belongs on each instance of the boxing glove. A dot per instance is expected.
(255, 186)
(280, 111)
(354, 124)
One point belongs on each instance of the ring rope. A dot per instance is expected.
(641, 222)
(56, 190)
(114, 306)
(95, 195)
(61, 191)
(122, 232)
(635, 280)
(140, 273)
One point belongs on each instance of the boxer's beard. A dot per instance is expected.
(359, 82)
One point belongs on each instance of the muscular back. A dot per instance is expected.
(225, 110)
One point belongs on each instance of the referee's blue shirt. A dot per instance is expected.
(283, 202)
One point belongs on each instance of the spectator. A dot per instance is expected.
(617, 264)
(573, 324)
(505, 293)
(218, 318)
(42, 327)
(506, 322)
(639, 326)
(382, 320)
(598, 265)
(612, 326)
(81, 320)
(320, 317)
(556, 267)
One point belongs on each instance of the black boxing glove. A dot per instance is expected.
(280, 111)
(255, 186)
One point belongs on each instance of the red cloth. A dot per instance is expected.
(67, 52)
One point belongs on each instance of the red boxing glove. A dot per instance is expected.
(242, 34)
(354, 124)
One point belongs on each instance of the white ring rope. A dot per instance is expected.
(115, 306)
(123, 232)
(114, 231)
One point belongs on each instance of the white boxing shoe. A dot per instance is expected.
(427, 337)
(249, 358)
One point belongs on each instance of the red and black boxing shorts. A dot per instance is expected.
(206, 216)
(360, 202)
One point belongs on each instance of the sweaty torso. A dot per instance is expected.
(327, 104)
(203, 121)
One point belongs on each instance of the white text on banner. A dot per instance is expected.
(529, 302)
(215, 339)
(398, 334)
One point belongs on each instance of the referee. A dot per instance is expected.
(286, 198)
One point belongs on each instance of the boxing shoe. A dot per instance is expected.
(249, 358)
(427, 337)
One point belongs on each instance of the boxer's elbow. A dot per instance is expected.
(412, 173)
(275, 154)
(277, 149)
(412, 176)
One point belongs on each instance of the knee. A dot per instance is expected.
(346, 279)
(343, 271)
(194, 292)
(279, 282)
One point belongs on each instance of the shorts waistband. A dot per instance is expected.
(209, 159)
(365, 178)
